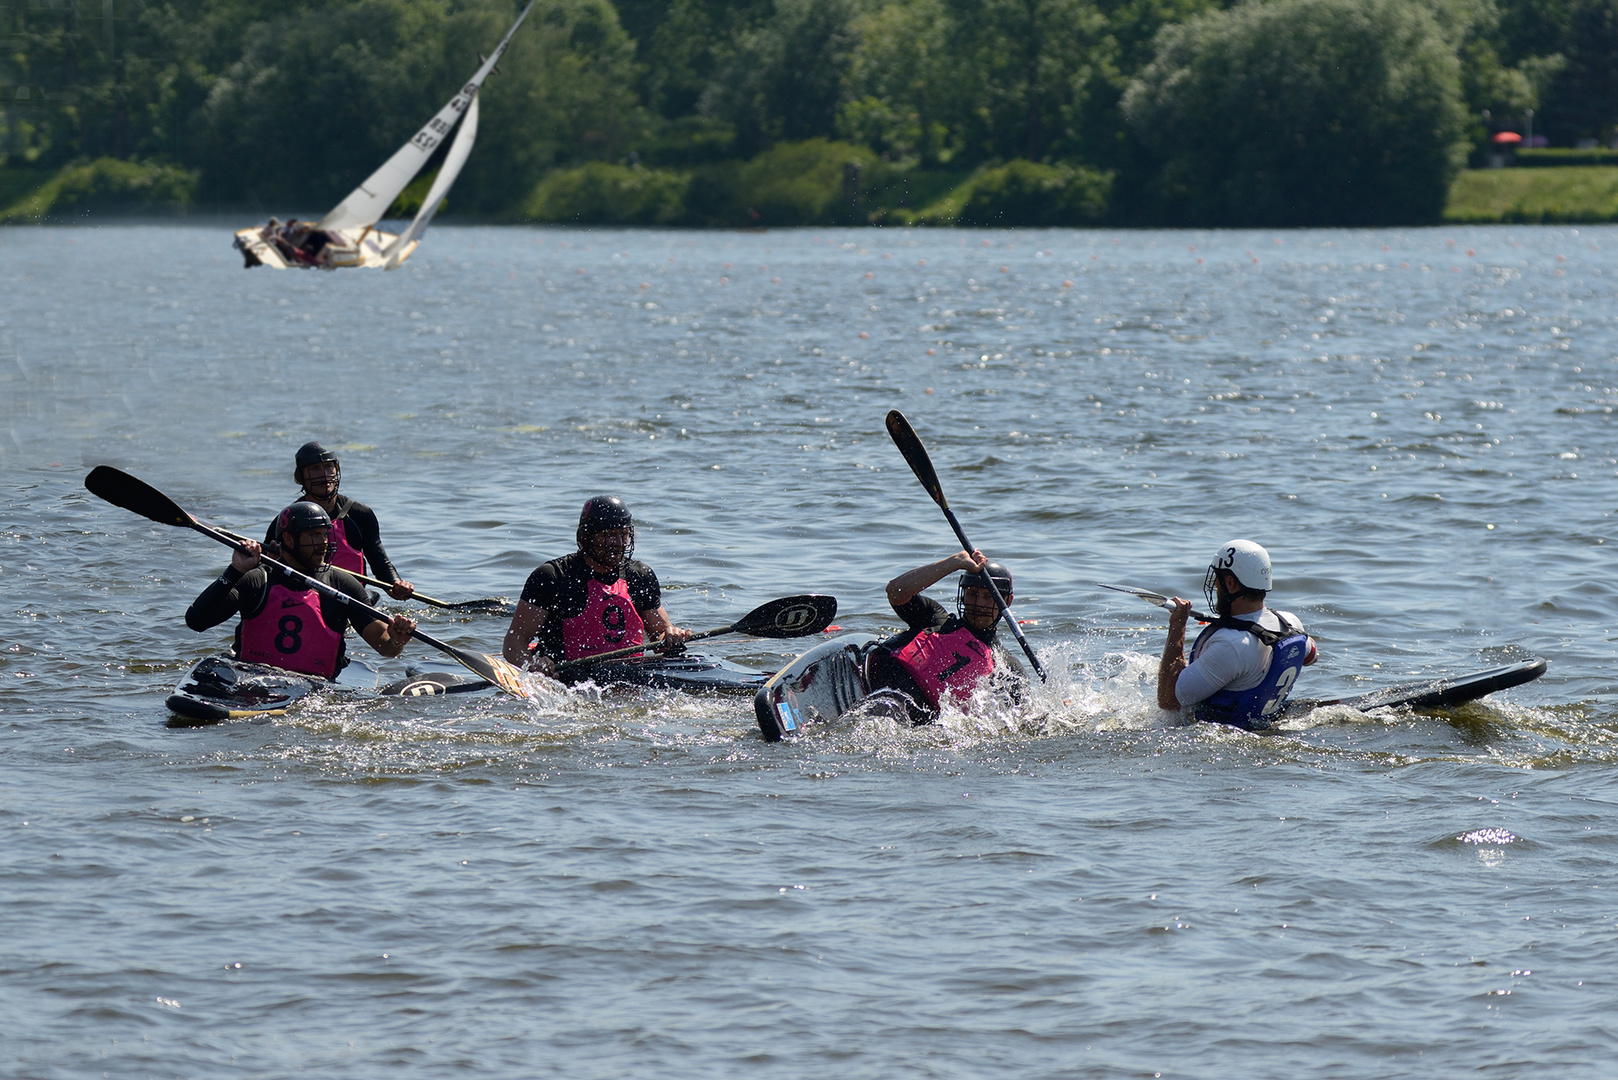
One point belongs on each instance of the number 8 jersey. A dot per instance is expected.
(290, 632)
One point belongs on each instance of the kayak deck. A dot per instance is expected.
(692, 674)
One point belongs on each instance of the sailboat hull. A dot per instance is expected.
(360, 248)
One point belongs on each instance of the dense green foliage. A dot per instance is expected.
(1310, 112)
(741, 112)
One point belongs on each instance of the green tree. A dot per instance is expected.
(1584, 96)
(783, 80)
(1302, 113)
(1023, 66)
(900, 96)
(683, 49)
(322, 94)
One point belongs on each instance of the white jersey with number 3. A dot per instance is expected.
(1229, 660)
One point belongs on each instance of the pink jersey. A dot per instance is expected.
(609, 621)
(345, 556)
(956, 661)
(291, 633)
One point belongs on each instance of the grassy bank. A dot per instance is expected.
(102, 186)
(1568, 193)
(819, 182)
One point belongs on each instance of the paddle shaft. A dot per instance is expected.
(1005, 608)
(379, 583)
(454, 605)
(909, 444)
(635, 650)
(790, 616)
(137, 496)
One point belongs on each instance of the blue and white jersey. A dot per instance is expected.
(1234, 678)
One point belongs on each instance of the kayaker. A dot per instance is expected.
(283, 623)
(595, 600)
(356, 537)
(1244, 664)
(941, 652)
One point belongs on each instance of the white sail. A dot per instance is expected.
(368, 202)
(459, 151)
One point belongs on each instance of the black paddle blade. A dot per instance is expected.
(909, 444)
(494, 604)
(789, 617)
(128, 493)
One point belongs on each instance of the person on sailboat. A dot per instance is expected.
(595, 600)
(356, 536)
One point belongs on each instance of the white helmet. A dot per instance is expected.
(1249, 562)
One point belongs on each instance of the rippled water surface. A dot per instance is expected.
(1418, 425)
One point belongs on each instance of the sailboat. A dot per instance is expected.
(348, 236)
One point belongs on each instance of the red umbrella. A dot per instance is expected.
(1506, 138)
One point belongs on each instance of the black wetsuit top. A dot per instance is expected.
(363, 533)
(558, 587)
(921, 613)
(233, 593)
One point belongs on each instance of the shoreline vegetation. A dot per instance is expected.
(766, 113)
(823, 184)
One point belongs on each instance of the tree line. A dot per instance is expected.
(772, 111)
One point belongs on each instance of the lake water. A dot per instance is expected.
(1418, 424)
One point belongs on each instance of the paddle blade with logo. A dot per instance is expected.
(789, 617)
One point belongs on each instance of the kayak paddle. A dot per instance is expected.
(909, 444)
(492, 603)
(788, 617)
(130, 493)
(1157, 599)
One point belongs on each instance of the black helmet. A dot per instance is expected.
(973, 579)
(299, 518)
(994, 571)
(312, 453)
(601, 513)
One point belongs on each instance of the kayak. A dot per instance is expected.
(1433, 693)
(829, 681)
(822, 685)
(221, 688)
(686, 672)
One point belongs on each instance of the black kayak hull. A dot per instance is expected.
(1434, 693)
(221, 688)
(686, 672)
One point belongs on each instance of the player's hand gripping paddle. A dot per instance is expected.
(905, 438)
(788, 617)
(130, 493)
